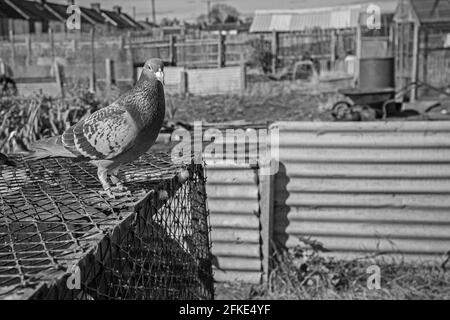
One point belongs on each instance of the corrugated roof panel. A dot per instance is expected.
(299, 20)
(35, 10)
(261, 23)
(302, 22)
(432, 10)
(92, 14)
(7, 12)
(280, 22)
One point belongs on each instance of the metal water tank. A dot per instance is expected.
(376, 73)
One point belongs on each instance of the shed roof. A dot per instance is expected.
(7, 12)
(117, 19)
(50, 11)
(429, 11)
(60, 9)
(33, 10)
(131, 20)
(322, 17)
(433, 12)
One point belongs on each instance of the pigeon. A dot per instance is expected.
(6, 160)
(117, 134)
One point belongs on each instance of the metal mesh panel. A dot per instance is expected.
(56, 229)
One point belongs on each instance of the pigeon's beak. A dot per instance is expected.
(160, 76)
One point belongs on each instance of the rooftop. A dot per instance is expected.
(335, 17)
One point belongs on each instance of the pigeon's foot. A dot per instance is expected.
(119, 187)
(107, 192)
(113, 193)
(120, 190)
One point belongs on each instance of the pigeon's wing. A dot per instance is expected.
(104, 134)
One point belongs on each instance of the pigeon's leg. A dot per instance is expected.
(119, 190)
(119, 185)
(103, 177)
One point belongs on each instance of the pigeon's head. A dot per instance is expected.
(155, 66)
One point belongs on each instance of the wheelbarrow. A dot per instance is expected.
(369, 100)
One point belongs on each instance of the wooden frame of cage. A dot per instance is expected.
(104, 246)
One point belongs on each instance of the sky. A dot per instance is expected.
(190, 9)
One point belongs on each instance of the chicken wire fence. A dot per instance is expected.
(62, 239)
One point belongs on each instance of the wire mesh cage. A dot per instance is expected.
(62, 239)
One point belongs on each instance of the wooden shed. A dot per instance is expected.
(422, 55)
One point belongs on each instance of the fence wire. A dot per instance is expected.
(62, 239)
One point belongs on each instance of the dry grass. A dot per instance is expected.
(256, 105)
(308, 274)
(24, 120)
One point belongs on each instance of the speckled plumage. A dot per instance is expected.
(6, 161)
(116, 134)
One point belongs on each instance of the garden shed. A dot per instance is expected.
(422, 55)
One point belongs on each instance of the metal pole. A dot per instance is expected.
(92, 82)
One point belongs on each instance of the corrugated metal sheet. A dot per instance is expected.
(300, 20)
(261, 23)
(342, 17)
(365, 187)
(429, 11)
(234, 215)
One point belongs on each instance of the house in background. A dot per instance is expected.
(10, 19)
(28, 17)
(37, 17)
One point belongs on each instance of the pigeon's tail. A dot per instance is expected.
(7, 161)
(49, 148)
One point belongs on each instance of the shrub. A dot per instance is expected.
(261, 55)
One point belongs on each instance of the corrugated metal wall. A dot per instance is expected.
(234, 215)
(365, 187)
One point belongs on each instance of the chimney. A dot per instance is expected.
(43, 2)
(70, 2)
(96, 6)
(117, 9)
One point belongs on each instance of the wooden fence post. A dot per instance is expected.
(243, 75)
(59, 78)
(221, 51)
(13, 48)
(109, 73)
(92, 79)
(29, 51)
(184, 82)
(274, 50)
(415, 58)
(173, 51)
(52, 44)
(333, 47)
(358, 52)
